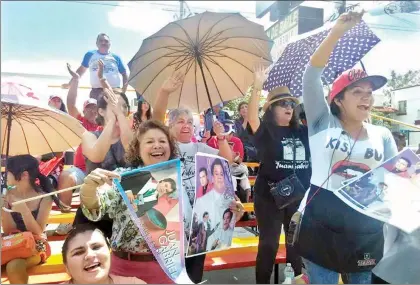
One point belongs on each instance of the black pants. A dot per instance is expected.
(195, 267)
(270, 220)
(105, 224)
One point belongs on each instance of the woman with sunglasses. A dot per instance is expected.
(277, 137)
(334, 238)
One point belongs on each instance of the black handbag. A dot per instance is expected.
(290, 189)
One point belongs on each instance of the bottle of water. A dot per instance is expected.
(289, 274)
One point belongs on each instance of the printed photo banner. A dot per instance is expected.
(389, 193)
(213, 222)
(153, 196)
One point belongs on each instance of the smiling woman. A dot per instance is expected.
(86, 255)
(131, 256)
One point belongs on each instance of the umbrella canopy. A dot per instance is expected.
(288, 70)
(36, 130)
(15, 89)
(215, 51)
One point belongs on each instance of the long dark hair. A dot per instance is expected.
(138, 115)
(268, 117)
(102, 104)
(132, 155)
(18, 164)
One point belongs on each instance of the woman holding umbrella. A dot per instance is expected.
(282, 144)
(334, 238)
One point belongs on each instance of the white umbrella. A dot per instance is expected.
(215, 51)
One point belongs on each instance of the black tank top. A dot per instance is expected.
(17, 218)
(113, 159)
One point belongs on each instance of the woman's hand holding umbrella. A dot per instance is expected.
(346, 22)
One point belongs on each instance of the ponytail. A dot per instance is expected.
(46, 186)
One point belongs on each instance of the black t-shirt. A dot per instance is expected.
(275, 148)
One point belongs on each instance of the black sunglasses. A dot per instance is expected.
(286, 103)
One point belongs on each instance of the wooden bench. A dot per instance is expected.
(252, 164)
(249, 207)
(242, 254)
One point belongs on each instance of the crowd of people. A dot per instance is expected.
(104, 245)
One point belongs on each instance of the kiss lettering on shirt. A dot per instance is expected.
(346, 148)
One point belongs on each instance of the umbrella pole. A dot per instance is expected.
(9, 126)
(200, 64)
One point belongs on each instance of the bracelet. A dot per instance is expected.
(102, 79)
(222, 138)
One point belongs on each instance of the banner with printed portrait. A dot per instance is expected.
(154, 197)
(213, 222)
(389, 193)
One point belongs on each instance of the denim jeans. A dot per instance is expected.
(320, 275)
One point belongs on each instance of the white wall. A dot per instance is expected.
(412, 95)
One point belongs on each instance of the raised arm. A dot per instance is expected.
(95, 149)
(102, 79)
(161, 103)
(260, 75)
(72, 94)
(313, 94)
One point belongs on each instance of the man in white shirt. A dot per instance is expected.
(113, 67)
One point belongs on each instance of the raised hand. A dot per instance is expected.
(72, 73)
(260, 75)
(112, 100)
(347, 21)
(100, 68)
(173, 83)
(218, 128)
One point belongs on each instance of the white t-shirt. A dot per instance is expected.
(113, 66)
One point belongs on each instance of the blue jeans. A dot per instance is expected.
(320, 275)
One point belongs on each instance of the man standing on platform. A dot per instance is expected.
(113, 67)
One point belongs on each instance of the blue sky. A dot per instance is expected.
(38, 31)
(40, 37)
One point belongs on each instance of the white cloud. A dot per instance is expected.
(147, 17)
(140, 17)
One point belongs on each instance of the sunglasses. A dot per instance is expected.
(286, 103)
(229, 128)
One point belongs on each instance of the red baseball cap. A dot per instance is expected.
(89, 102)
(352, 76)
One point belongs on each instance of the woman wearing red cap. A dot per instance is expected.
(333, 237)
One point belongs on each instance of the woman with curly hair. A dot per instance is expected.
(131, 256)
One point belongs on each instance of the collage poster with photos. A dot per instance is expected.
(389, 193)
(213, 222)
(154, 197)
